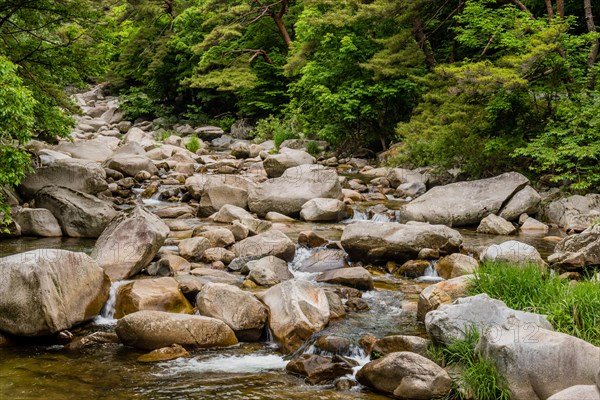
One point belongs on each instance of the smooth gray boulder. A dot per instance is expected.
(198, 184)
(87, 150)
(48, 290)
(513, 252)
(466, 203)
(536, 362)
(81, 175)
(372, 241)
(131, 164)
(276, 164)
(577, 392)
(526, 200)
(79, 214)
(495, 225)
(322, 210)
(288, 193)
(129, 243)
(270, 243)
(356, 277)
(37, 222)
(451, 322)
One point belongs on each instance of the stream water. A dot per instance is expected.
(245, 371)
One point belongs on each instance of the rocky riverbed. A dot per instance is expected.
(136, 268)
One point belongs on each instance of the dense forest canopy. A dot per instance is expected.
(482, 85)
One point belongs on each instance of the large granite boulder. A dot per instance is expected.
(451, 322)
(156, 329)
(297, 309)
(288, 193)
(270, 243)
(372, 241)
(131, 164)
(129, 243)
(467, 203)
(573, 213)
(513, 252)
(47, 290)
(80, 175)
(160, 294)
(356, 277)
(406, 375)
(199, 184)
(577, 251)
(87, 150)
(36, 222)
(322, 210)
(537, 362)
(276, 164)
(79, 214)
(242, 311)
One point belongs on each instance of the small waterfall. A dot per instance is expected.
(380, 218)
(107, 314)
(302, 253)
(430, 274)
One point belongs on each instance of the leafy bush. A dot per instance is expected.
(279, 130)
(479, 377)
(312, 148)
(194, 144)
(138, 104)
(571, 309)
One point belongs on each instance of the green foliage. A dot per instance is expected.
(479, 376)
(138, 104)
(569, 146)
(276, 129)
(194, 144)
(312, 148)
(572, 309)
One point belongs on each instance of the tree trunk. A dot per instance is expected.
(560, 8)
(549, 10)
(282, 29)
(589, 19)
(423, 43)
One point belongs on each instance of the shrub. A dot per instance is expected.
(312, 148)
(194, 144)
(277, 129)
(137, 104)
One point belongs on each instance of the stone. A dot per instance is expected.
(311, 239)
(372, 241)
(288, 193)
(324, 260)
(333, 344)
(412, 190)
(526, 200)
(440, 293)
(297, 309)
(395, 343)
(336, 307)
(129, 243)
(78, 214)
(323, 210)
(587, 392)
(218, 254)
(164, 354)
(537, 362)
(533, 225)
(214, 198)
(156, 329)
(451, 322)
(356, 277)
(578, 251)
(575, 213)
(93, 341)
(276, 164)
(90, 150)
(277, 217)
(399, 176)
(240, 149)
(465, 203)
(219, 237)
(413, 268)
(37, 222)
(46, 291)
(496, 225)
(514, 252)
(240, 310)
(270, 243)
(317, 369)
(406, 375)
(131, 164)
(80, 175)
(160, 294)
(229, 213)
(456, 265)
(193, 249)
(216, 276)
(198, 184)
(263, 276)
(276, 265)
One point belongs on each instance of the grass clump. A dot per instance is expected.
(480, 380)
(194, 144)
(312, 148)
(573, 309)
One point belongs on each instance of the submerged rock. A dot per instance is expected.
(156, 329)
(48, 290)
(164, 354)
